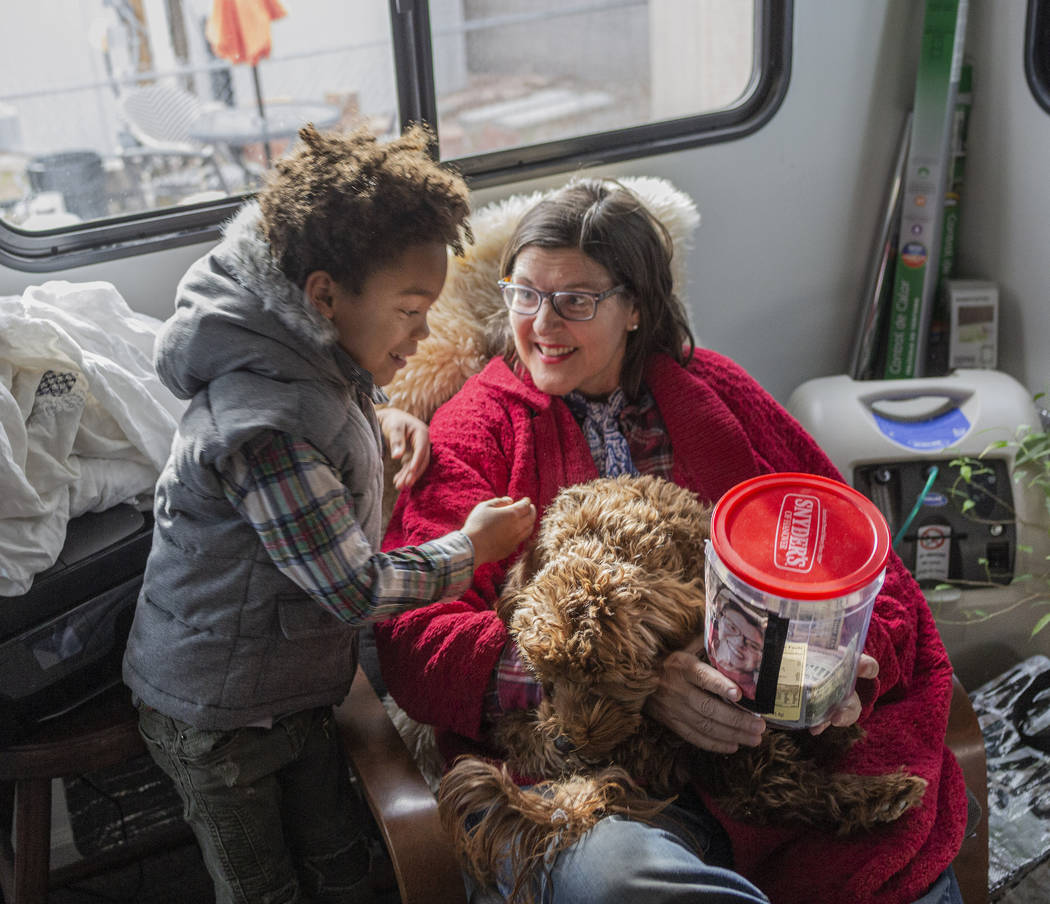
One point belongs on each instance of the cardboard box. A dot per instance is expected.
(973, 307)
(938, 337)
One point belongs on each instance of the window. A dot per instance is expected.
(120, 124)
(117, 114)
(1037, 51)
(523, 87)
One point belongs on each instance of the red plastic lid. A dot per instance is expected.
(800, 536)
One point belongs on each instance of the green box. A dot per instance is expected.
(917, 267)
(938, 336)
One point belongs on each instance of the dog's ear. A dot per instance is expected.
(651, 615)
(541, 632)
(558, 615)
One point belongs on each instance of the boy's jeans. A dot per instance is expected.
(272, 808)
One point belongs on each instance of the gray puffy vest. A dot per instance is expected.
(221, 638)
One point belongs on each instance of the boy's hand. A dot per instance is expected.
(404, 431)
(497, 527)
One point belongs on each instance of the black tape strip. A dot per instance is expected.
(769, 671)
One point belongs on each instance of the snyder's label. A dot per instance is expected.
(798, 532)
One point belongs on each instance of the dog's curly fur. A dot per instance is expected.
(612, 584)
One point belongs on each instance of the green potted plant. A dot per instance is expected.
(1029, 452)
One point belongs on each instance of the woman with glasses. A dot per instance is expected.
(736, 642)
(601, 377)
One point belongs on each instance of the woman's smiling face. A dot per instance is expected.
(565, 355)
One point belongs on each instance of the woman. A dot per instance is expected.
(600, 378)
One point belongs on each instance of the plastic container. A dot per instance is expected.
(794, 564)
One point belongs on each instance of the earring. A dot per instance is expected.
(632, 328)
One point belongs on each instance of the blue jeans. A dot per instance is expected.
(944, 891)
(684, 858)
(272, 808)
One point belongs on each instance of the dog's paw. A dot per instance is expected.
(902, 796)
(870, 801)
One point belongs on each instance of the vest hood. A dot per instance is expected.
(236, 311)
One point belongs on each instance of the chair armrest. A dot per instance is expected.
(966, 741)
(400, 800)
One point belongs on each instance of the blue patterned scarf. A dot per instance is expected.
(600, 422)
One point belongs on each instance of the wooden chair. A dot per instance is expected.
(400, 800)
(967, 743)
(96, 735)
(104, 733)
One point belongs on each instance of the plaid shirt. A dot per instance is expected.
(647, 437)
(513, 685)
(304, 515)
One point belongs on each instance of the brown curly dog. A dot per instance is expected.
(611, 585)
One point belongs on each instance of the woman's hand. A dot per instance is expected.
(691, 701)
(847, 712)
(405, 432)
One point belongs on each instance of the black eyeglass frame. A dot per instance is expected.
(552, 297)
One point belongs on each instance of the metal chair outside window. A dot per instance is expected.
(159, 119)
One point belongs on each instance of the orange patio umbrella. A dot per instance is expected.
(239, 31)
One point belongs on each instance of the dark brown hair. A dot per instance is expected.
(346, 204)
(612, 226)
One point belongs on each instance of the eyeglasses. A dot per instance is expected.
(727, 603)
(730, 629)
(568, 305)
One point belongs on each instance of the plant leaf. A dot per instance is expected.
(1039, 625)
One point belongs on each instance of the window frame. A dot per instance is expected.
(1037, 51)
(773, 39)
(60, 249)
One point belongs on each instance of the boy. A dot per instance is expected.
(268, 510)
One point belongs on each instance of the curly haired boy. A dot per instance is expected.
(268, 512)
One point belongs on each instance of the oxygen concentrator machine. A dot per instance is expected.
(886, 437)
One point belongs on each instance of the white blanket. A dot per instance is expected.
(84, 422)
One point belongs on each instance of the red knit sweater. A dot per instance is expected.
(501, 436)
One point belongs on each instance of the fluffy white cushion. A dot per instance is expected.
(467, 322)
